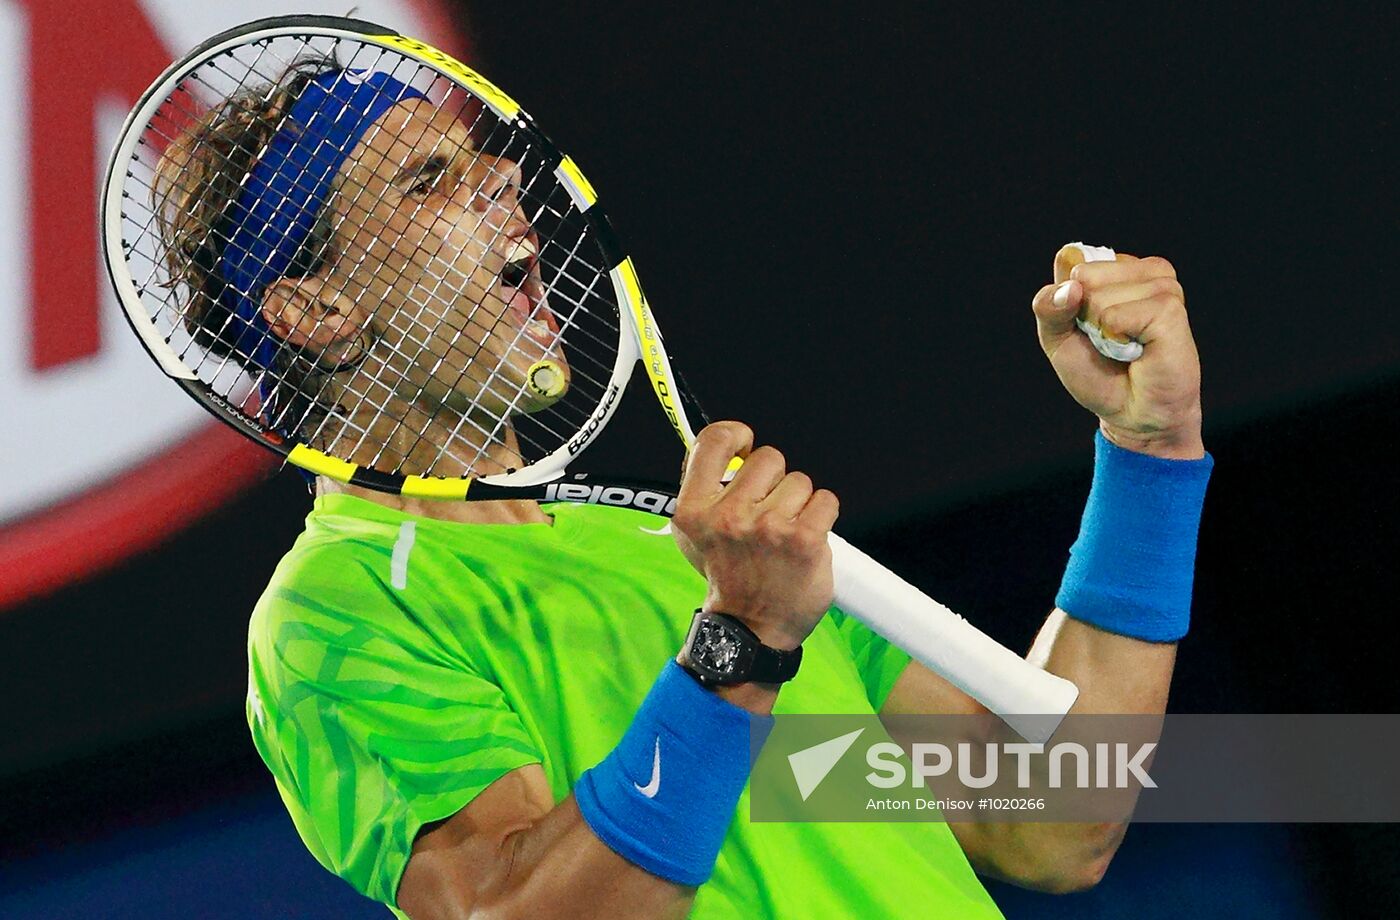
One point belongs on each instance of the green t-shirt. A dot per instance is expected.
(398, 665)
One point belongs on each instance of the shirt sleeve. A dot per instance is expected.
(877, 661)
(370, 728)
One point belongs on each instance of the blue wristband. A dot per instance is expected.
(1131, 569)
(665, 796)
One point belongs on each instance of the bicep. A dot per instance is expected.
(459, 859)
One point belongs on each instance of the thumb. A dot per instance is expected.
(714, 451)
(1071, 255)
(1065, 260)
(1055, 307)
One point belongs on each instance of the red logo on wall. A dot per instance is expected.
(100, 456)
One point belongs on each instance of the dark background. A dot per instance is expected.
(840, 216)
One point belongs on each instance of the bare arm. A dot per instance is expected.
(1152, 406)
(509, 854)
(761, 544)
(1115, 674)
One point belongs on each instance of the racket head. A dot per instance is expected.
(390, 348)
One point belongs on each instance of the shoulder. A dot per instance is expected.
(317, 572)
(325, 592)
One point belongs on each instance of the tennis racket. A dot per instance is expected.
(457, 319)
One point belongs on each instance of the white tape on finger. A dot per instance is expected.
(1109, 348)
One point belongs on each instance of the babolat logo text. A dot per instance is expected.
(580, 440)
(621, 496)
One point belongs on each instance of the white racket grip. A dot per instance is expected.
(1030, 700)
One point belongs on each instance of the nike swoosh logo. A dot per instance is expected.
(663, 530)
(652, 788)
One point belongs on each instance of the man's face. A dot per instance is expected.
(437, 254)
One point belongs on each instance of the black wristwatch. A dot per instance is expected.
(720, 650)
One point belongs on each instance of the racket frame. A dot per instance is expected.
(1031, 700)
(636, 324)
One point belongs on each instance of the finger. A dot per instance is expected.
(1098, 274)
(821, 511)
(1096, 300)
(1144, 320)
(1055, 307)
(715, 446)
(789, 496)
(1065, 261)
(763, 469)
(1071, 255)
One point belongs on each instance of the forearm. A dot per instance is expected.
(1114, 674)
(558, 866)
(1128, 586)
(618, 846)
(550, 865)
(1128, 590)
(1125, 598)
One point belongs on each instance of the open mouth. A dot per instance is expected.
(524, 295)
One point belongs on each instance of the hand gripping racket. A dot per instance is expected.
(366, 257)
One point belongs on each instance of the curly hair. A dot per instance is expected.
(197, 186)
(198, 183)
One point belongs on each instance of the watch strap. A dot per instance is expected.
(771, 665)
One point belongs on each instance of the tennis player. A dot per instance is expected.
(514, 710)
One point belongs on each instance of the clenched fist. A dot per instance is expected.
(1152, 405)
(759, 540)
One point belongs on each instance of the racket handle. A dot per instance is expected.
(1030, 700)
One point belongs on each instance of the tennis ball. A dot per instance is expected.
(546, 379)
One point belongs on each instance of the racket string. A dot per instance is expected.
(525, 190)
(472, 357)
(241, 85)
(563, 270)
(489, 384)
(574, 314)
(491, 434)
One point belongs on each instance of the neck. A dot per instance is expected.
(414, 441)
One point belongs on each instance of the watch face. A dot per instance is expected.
(716, 648)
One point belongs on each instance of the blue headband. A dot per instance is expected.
(287, 189)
